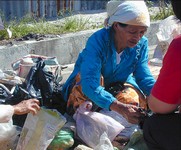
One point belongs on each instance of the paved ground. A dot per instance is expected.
(67, 71)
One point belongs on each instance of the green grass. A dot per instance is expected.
(29, 24)
(163, 13)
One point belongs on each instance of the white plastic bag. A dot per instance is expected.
(104, 144)
(9, 135)
(129, 128)
(91, 125)
(169, 28)
(39, 130)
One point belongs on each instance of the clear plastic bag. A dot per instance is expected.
(169, 28)
(91, 125)
(129, 128)
(9, 136)
(104, 144)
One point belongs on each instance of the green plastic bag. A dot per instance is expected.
(63, 140)
(136, 142)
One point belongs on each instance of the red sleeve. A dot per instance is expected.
(168, 85)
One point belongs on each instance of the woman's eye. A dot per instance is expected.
(143, 32)
(132, 32)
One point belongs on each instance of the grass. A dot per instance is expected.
(30, 24)
(164, 11)
(40, 26)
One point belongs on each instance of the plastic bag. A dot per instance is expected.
(23, 65)
(169, 28)
(136, 142)
(105, 143)
(9, 136)
(62, 140)
(91, 125)
(129, 128)
(39, 84)
(38, 131)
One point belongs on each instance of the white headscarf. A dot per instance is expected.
(127, 12)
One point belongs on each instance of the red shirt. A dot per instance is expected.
(168, 85)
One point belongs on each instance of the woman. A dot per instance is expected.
(162, 131)
(118, 53)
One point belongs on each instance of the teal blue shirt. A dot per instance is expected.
(99, 58)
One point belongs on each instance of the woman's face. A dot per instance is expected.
(129, 35)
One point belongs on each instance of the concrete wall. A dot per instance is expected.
(66, 47)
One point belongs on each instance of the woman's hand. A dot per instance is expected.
(132, 113)
(27, 106)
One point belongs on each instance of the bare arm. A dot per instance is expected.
(27, 106)
(130, 112)
(160, 107)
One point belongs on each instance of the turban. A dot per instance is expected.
(127, 12)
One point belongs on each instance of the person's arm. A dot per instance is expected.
(165, 96)
(160, 107)
(24, 107)
(132, 113)
(90, 71)
(143, 76)
(90, 80)
(27, 106)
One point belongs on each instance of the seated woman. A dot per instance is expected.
(118, 53)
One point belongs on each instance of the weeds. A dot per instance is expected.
(29, 24)
(164, 12)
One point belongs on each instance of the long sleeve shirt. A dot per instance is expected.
(99, 58)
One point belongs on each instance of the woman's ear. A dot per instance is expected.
(115, 25)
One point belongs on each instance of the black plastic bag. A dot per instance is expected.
(115, 87)
(40, 84)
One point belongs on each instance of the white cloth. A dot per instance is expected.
(127, 12)
(6, 113)
(118, 57)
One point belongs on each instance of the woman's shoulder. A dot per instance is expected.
(143, 42)
(144, 39)
(101, 33)
(175, 45)
(100, 36)
(177, 40)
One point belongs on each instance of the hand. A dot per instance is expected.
(27, 106)
(130, 112)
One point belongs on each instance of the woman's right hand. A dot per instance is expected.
(130, 112)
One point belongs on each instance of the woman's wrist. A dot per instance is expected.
(117, 106)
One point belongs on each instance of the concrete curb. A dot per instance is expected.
(66, 47)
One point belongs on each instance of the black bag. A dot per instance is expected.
(115, 87)
(4, 93)
(40, 84)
